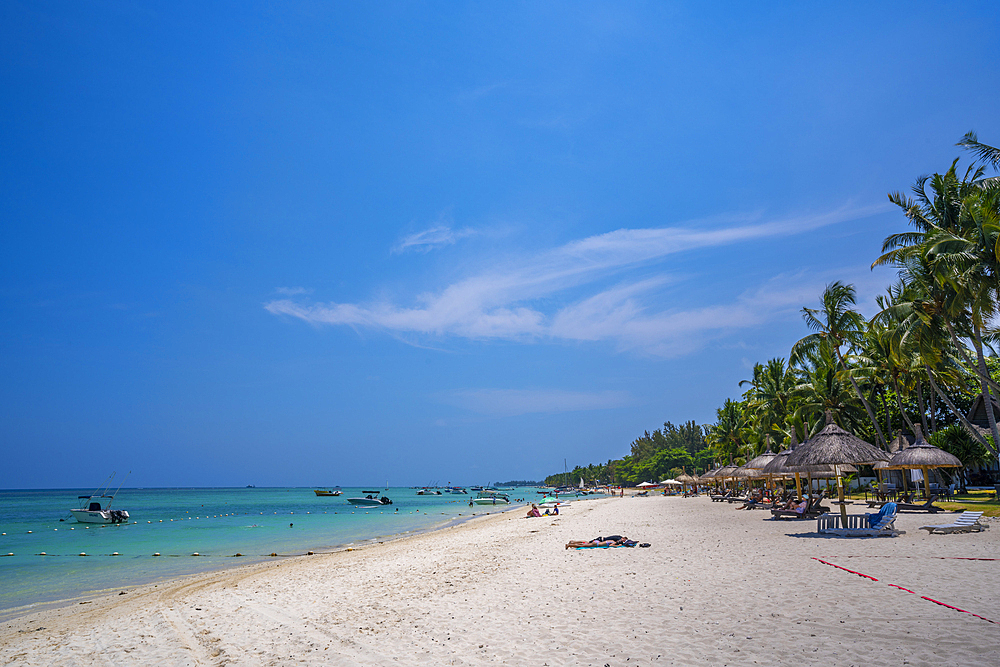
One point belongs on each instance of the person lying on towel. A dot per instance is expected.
(610, 541)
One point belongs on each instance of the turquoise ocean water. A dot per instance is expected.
(215, 523)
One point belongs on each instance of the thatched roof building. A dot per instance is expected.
(835, 446)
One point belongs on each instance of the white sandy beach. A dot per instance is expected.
(717, 587)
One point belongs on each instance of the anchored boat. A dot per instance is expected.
(96, 508)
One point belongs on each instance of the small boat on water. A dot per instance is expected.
(490, 498)
(327, 492)
(428, 492)
(370, 501)
(96, 508)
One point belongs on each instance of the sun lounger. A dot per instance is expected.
(814, 510)
(924, 507)
(858, 525)
(967, 522)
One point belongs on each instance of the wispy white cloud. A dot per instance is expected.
(513, 402)
(432, 238)
(503, 302)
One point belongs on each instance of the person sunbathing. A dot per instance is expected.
(533, 512)
(800, 507)
(610, 541)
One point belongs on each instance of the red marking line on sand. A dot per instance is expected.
(922, 597)
(845, 569)
(938, 557)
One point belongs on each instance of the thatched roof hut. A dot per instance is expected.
(835, 446)
(900, 442)
(923, 455)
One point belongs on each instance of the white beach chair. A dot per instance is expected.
(967, 522)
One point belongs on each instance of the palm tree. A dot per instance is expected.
(955, 248)
(837, 324)
(984, 153)
(821, 390)
(728, 435)
(768, 398)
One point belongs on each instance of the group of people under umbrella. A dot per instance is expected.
(833, 452)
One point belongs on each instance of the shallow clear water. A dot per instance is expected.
(215, 523)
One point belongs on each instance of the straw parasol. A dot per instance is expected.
(708, 477)
(726, 472)
(687, 480)
(922, 455)
(835, 446)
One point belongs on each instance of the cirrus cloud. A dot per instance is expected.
(513, 302)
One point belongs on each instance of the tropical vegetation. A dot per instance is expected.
(917, 365)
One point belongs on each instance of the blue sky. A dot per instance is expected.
(323, 243)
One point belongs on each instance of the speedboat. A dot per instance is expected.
(327, 492)
(96, 508)
(490, 498)
(428, 492)
(370, 501)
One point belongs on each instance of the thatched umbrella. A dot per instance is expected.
(726, 472)
(708, 477)
(687, 479)
(922, 455)
(835, 446)
(754, 468)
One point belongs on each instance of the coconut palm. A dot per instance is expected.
(956, 249)
(728, 436)
(821, 389)
(768, 398)
(837, 324)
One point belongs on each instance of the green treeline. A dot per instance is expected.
(917, 365)
(655, 456)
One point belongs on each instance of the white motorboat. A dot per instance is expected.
(370, 501)
(96, 508)
(428, 492)
(491, 498)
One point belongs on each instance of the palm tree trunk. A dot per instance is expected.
(958, 413)
(920, 402)
(933, 414)
(885, 409)
(963, 351)
(899, 404)
(987, 399)
(868, 408)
